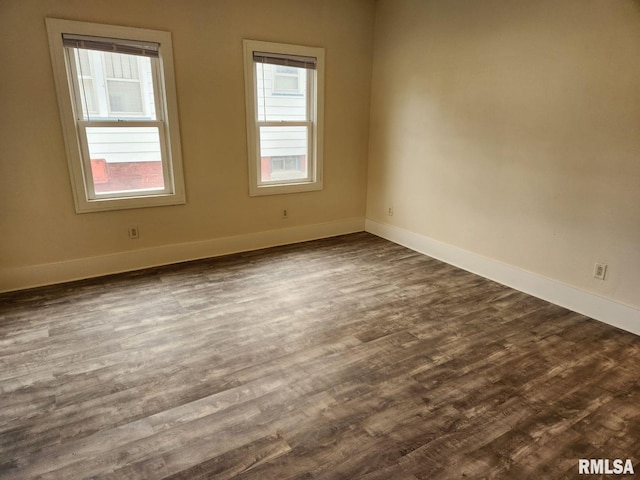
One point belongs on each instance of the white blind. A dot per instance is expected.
(299, 61)
(115, 45)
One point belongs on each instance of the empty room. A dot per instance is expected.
(319, 239)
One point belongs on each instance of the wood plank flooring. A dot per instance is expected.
(344, 358)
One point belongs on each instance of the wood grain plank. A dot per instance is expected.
(343, 358)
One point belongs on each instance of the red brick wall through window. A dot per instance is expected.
(110, 177)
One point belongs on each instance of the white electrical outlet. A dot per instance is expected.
(285, 213)
(599, 271)
(134, 232)
(390, 211)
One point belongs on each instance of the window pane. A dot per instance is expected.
(287, 79)
(286, 83)
(281, 96)
(125, 97)
(118, 65)
(115, 85)
(283, 153)
(85, 81)
(85, 63)
(125, 159)
(88, 96)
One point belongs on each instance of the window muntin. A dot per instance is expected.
(122, 112)
(284, 113)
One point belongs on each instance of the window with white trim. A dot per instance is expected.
(284, 101)
(118, 107)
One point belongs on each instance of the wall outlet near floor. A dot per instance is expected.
(599, 271)
(390, 211)
(134, 232)
(285, 213)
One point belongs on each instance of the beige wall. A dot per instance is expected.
(37, 217)
(511, 128)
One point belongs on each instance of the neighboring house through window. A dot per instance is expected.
(287, 80)
(119, 114)
(284, 101)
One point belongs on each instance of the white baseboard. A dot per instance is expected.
(47, 274)
(600, 308)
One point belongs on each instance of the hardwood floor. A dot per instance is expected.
(345, 358)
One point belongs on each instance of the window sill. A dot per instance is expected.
(103, 205)
(282, 189)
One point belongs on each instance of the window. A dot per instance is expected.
(118, 108)
(286, 80)
(284, 100)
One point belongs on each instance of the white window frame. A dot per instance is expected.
(315, 119)
(74, 126)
